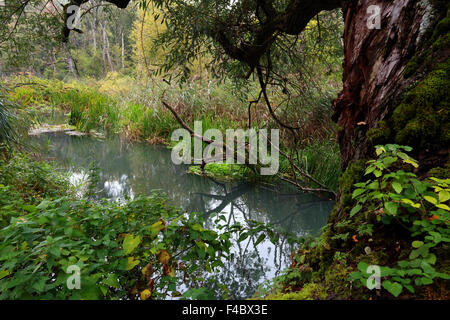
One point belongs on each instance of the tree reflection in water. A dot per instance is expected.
(130, 169)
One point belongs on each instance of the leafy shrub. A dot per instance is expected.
(31, 178)
(141, 249)
(396, 196)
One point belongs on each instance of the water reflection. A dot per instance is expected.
(129, 169)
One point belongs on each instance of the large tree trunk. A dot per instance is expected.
(375, 81)
(396, 90)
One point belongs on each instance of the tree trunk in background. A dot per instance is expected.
(71, 64)
(106, 50)
(94, 35)
(375, 80)
(123, 52)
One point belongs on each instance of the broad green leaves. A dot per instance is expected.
(130, 243)
(111, 243)
(394, 288)
(399, 196)
(355, 210)
(397, 186)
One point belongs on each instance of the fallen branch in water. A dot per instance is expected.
(322, 188)
(295, 168)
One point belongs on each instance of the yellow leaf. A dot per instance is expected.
(146, 294)
(131, 263)
(444, 195)
(411, 162)
(430, 199)
(130, 243)
(157, 227)
(443, 206)
(4, 273)
(163, 256)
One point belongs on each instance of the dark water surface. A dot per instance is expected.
(130, 169)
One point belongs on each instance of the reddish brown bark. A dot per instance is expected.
(373, 67)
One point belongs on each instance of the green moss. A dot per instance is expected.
(421, 120)
(442, 43)
(311, 291)
(379, 135)
(221, 171)
(412, 66)
(336, 277)
(442, 28)
(352, 175)
(423, 116)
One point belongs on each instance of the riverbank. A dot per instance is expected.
(135, 112)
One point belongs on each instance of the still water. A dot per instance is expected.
(130, 169)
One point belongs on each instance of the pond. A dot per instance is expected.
(129, 169)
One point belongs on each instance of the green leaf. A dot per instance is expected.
(431, 258)
(430, 199)
(427, 267)
(197, 227)
(414, 254)
(410, 288)
(369, 170)
(29, 208)
(444, 195)
(355, 210)
(394, 288)
(362, 266)
(43, 205)
(112, 281)
(423, 281)
(39, 285)
(130, 243)
(243, 236)
(373, 186)
(443, 275)
(391, 208)
(397, 186)
(357, 192)
(417, 244)
(260, 239)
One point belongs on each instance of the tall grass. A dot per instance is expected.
(134, 109)
(320, 159)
